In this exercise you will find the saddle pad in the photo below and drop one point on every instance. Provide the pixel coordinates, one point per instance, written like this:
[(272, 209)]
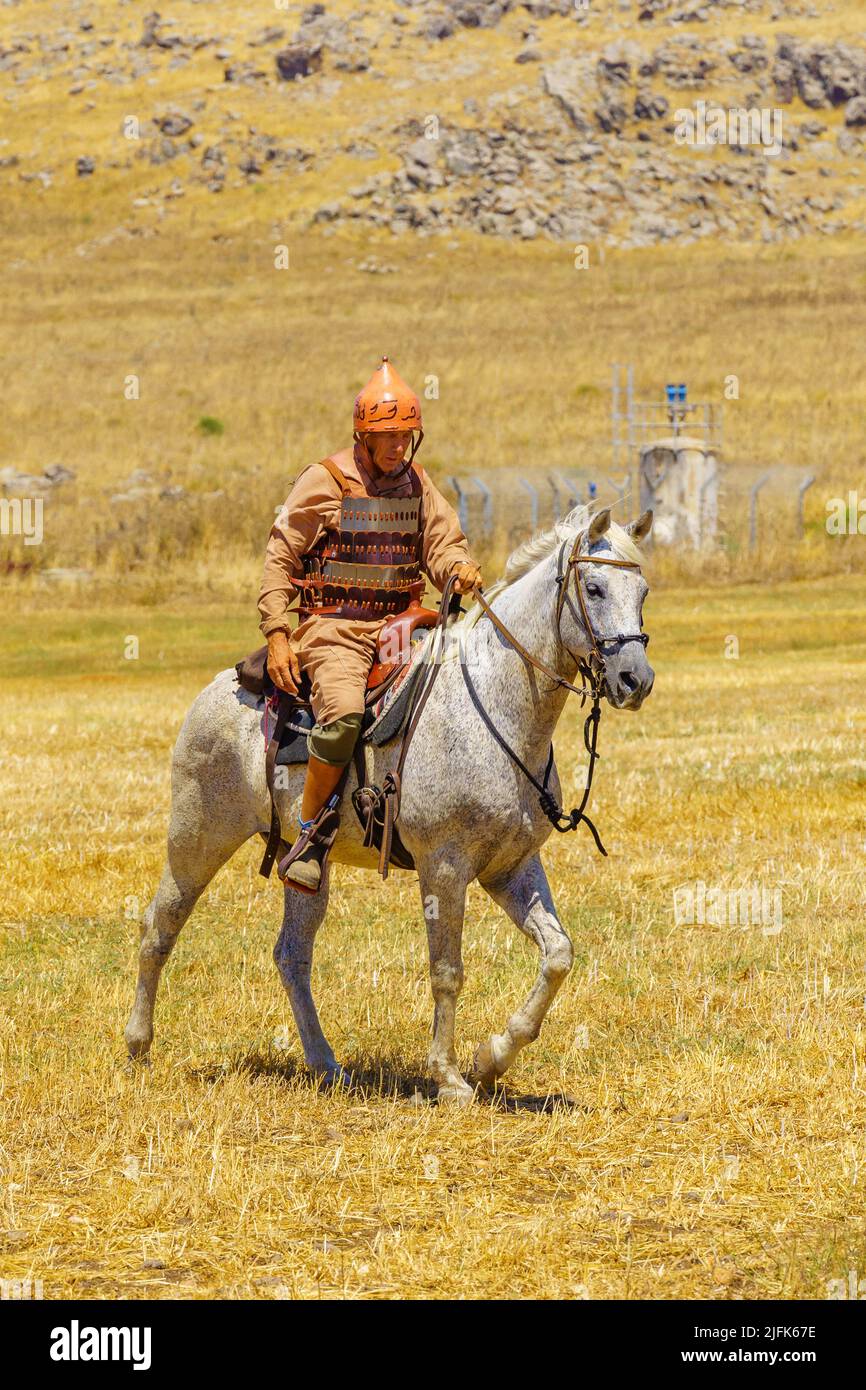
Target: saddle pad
[(388, 716), (293, 748)]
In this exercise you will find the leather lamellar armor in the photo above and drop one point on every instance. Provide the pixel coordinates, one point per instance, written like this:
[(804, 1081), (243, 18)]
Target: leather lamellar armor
[(371, 567)]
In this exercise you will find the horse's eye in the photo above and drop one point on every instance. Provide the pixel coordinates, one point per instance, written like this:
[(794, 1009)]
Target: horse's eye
[(593, 590)]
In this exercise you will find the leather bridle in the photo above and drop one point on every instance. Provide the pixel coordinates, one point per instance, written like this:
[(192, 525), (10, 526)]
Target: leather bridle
[(592, 673), (593, 669)]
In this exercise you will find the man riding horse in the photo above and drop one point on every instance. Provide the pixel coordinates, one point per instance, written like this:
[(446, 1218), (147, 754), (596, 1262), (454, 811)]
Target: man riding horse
[(353, 562)]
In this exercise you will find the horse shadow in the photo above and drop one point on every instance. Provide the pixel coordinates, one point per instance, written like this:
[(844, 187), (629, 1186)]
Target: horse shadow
[(379, 1076)]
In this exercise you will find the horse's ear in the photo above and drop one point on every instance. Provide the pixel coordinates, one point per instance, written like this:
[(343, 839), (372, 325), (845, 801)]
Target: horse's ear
[(640, 529), (598, 526)]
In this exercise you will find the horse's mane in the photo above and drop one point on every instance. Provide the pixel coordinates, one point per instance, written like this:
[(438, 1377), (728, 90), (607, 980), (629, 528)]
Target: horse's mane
[(543, 543)]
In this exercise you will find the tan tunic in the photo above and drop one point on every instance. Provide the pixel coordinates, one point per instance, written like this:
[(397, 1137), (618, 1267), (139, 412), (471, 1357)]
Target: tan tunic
[(337, 653)]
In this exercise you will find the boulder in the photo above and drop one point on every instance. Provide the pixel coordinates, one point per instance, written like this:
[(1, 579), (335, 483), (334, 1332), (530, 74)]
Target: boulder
[(298, 60), (855, 112), (650, 106), (566, 81), (174, 123)]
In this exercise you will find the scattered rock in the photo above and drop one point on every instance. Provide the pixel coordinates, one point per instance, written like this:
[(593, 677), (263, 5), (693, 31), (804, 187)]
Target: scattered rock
[(15, 480), (650, 106), (855, 112), (272, 34), (299, 60), (174, 123), (436, 28), (565, 81)]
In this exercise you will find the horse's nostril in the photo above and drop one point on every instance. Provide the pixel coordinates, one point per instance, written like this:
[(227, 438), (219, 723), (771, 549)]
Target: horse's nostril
[(629, 681)]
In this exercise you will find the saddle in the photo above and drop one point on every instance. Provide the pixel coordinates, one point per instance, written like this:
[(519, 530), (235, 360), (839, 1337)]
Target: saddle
[(397, 689), (395, 637)]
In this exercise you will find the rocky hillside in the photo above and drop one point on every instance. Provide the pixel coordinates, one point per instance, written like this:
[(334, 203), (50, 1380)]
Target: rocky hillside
[(514, 118)]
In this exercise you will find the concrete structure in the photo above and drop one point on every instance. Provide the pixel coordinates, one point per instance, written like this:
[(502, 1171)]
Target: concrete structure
[(678, 476)]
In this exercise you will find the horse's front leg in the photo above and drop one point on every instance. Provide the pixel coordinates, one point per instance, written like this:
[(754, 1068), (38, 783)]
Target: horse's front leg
[(443, 882), (303, 914), (527, 899)]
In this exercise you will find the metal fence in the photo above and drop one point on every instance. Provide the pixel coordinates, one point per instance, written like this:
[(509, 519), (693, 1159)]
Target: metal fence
[(503, 507)]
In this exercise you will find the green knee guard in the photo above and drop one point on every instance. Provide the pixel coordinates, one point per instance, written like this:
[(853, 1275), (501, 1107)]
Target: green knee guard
[(334, 743)]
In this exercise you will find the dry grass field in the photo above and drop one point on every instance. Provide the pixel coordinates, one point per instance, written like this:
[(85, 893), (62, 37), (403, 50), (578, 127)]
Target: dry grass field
[(276, 357), (142, 332), (690, 1123)]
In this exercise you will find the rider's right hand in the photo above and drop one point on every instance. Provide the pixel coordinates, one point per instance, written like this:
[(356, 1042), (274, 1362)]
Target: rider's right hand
[(283, 667)]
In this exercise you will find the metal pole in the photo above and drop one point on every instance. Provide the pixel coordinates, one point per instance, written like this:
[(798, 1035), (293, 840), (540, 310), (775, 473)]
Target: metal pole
[(753, 510), (801, 493), (533, 503), (614, 412), (618, 489), (487, 514), (573, 493), (629, 392), (462, 508), (555, 487)]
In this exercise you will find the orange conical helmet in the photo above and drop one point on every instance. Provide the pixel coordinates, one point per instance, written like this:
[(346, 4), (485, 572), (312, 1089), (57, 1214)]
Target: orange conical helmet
[(386, 403)]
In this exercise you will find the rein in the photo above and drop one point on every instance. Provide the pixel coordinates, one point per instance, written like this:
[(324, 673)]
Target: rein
[(592, 674), (382, 805)]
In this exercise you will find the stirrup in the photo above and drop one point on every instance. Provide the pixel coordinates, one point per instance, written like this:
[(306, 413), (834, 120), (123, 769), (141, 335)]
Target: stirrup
[(319, 834)]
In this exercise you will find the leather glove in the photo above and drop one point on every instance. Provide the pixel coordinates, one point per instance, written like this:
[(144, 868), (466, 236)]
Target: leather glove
[(283, 667), (468, 577)]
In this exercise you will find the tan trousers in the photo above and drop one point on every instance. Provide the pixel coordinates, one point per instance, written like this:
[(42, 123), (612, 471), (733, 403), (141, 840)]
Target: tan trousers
[(336, 654)]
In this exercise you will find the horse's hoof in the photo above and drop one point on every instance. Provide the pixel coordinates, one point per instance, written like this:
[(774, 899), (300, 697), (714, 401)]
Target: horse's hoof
[(456, 1093), (136, 1061), (484, 1073), (137, 1047), (337, 1079)]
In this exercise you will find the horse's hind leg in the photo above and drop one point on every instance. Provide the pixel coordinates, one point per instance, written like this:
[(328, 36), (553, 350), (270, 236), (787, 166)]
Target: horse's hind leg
[(527, 899), (200, 840), (293, 955)]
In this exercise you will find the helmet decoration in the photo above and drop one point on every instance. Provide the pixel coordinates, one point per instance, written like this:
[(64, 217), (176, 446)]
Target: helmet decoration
[(386, 403)]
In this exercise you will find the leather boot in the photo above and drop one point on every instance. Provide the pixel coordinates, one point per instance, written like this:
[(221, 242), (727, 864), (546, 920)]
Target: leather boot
[(306, 870)]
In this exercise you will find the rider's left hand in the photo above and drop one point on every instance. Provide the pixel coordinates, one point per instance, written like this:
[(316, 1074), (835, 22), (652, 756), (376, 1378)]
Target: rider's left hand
[(467, 576)]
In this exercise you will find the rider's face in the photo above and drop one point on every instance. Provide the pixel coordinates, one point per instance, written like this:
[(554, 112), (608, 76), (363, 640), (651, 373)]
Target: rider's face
[(388, 449)]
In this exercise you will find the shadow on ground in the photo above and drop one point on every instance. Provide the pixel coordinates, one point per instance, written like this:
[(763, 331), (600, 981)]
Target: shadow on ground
[(384, 1077)]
